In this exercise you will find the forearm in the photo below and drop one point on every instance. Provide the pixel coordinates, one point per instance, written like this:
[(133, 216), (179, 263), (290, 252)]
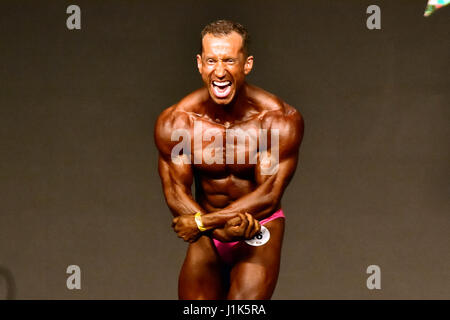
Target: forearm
[(181, 203), (219, 218), (176, 183), (219, 234), (259, 203)]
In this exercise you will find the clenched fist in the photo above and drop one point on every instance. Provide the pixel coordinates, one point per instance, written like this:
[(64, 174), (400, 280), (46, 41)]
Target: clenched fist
[(241, 227), (186, 228)]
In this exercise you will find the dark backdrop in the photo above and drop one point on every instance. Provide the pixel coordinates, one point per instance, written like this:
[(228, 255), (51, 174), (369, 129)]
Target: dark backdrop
[(78, 168)]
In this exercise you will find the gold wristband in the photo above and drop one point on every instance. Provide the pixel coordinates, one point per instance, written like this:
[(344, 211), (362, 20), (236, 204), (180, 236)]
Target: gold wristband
[(198, 221)]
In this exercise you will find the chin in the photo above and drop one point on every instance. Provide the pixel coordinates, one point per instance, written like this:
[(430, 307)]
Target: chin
[(222, 101)]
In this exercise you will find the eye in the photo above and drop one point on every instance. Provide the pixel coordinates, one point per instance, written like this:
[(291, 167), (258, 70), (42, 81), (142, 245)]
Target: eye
[(231, 61), (210, 61)]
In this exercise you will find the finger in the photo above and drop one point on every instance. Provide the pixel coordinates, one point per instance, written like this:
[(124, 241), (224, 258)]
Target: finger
[(175, 221), (176, 227), (259, 227), (256, 229), (244, 223), (239, 229), (234, 221), (251, 223)]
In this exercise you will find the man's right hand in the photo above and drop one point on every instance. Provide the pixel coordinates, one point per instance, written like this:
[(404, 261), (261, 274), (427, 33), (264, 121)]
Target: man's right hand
[(241, 227)]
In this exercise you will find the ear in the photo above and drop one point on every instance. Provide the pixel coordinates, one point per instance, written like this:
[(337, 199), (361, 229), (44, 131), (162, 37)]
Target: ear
[(248, 65), (199, 63)]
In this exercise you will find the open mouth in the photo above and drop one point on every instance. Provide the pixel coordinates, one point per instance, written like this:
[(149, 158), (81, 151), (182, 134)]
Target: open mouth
[(221, 89)]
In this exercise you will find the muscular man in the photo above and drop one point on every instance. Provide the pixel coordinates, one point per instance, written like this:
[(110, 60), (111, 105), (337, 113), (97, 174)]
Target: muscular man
[(234, 199)]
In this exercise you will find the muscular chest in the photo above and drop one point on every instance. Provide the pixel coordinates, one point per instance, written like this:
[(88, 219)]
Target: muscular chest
[(225, 149), (220, 150)]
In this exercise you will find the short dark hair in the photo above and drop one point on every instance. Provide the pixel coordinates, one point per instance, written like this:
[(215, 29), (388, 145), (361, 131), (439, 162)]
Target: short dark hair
[(223, 28)]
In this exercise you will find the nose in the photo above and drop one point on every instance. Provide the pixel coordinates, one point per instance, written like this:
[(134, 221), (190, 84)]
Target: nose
[(220, 70)]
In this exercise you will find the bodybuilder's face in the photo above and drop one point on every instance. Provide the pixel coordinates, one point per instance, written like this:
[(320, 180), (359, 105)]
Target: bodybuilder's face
[(223, 66)]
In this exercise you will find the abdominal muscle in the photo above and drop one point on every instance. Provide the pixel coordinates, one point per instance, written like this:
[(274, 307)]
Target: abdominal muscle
[(215, 194)]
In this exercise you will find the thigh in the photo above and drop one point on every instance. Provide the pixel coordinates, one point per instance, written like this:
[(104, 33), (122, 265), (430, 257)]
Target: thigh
[(201, 274), (255, 274)]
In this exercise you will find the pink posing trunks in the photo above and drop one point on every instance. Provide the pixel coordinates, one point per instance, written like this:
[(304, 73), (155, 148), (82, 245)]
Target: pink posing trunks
[(225, 249)]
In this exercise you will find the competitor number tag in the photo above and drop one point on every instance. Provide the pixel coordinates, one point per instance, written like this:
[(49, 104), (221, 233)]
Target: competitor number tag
[(260, 238)]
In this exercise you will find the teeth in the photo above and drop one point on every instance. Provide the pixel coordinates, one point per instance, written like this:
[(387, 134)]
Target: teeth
[(221, 92), (221, 84)]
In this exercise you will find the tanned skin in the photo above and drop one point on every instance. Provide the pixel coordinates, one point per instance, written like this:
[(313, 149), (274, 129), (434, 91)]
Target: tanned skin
[(231, 197)]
